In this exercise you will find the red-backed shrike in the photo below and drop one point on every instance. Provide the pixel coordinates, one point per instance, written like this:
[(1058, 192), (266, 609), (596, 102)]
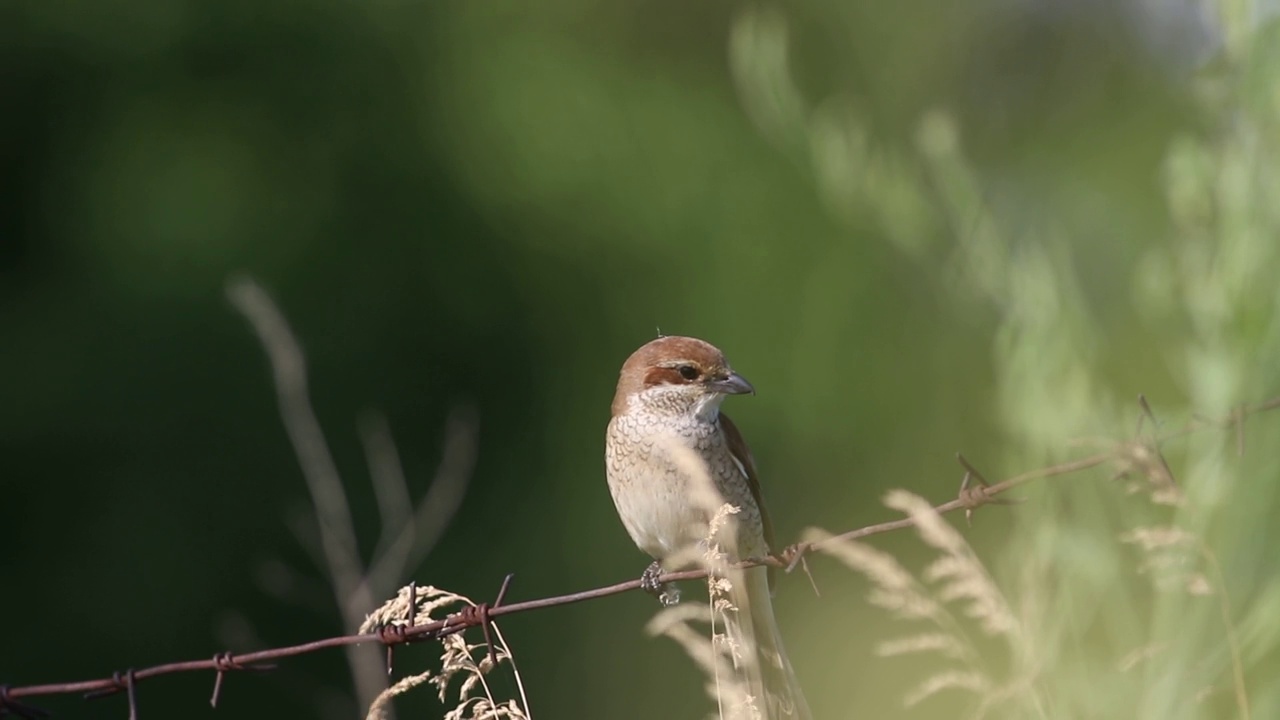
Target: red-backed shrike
[(669, 394)]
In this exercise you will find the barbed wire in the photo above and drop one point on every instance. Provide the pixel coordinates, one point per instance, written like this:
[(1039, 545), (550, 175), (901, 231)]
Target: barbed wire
[(1141, 454)]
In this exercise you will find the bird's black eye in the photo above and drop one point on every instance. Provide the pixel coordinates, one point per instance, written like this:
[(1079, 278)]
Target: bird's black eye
[(688, 372)]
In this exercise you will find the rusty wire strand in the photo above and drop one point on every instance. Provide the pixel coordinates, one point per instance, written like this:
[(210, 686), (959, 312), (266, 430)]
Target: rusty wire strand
[(975, 492), (393, 634)]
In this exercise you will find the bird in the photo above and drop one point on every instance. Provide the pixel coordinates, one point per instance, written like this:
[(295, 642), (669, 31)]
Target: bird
[(665, 410)]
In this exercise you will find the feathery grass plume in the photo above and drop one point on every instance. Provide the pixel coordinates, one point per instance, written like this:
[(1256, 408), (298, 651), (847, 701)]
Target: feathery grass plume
[(701, 490), (1170, 558), (894, 588), (1205, 314), (1095, 299), (726, 687), (974, 682), (474, 698), (853, 175), (751, 675), (380, 709), (722, 654), (958, 570), (725, 656), (956, 577)]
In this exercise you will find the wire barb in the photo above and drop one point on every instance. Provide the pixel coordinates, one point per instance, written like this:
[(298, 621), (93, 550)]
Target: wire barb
[(390, 635), (479, 615), (393, 634), (1147, 414), (225, 662), (973, 496), (1144, 452), (793, 555), (412, 612), (120, 681), (9, 706), (1237, 419)]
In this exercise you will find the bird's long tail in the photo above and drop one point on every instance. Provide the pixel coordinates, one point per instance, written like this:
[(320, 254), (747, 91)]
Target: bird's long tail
[(763, 662)]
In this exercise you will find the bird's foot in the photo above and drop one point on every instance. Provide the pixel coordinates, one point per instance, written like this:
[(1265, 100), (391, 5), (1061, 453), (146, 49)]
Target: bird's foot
[(667, 593)]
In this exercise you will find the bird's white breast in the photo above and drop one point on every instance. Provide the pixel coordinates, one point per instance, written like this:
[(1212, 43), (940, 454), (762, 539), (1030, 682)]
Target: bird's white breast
[(653, 483)]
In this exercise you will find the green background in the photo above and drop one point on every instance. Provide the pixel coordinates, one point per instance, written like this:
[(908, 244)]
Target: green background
[(490, 205)]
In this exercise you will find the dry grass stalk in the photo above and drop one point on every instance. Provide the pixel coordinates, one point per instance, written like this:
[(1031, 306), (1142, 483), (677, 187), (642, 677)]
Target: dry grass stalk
[(955, 577), (474, 698), (727, 657)]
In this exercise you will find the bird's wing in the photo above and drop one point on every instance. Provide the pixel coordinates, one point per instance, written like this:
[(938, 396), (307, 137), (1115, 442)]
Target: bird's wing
[(742, 455)]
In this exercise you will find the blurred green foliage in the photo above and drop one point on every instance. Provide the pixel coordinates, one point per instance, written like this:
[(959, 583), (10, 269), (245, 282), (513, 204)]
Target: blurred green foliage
[(915, 229)]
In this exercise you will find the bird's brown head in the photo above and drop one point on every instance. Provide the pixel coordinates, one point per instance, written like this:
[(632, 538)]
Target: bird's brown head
[(678, 376)]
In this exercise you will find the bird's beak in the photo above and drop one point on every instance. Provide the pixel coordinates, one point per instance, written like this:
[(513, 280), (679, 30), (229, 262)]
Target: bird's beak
[(732, 384)]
